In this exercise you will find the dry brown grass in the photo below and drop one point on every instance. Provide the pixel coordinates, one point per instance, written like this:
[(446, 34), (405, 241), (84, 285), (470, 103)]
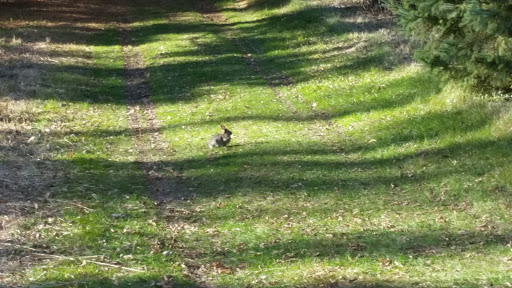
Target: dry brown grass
[(27, 52), (26, 177)]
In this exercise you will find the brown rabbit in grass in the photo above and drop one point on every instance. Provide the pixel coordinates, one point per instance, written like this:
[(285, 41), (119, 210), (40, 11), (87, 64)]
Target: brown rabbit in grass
[(220, 139)]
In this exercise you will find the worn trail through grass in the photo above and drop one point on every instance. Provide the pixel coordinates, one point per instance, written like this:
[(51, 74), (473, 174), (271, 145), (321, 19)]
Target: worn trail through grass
[(210, 12), (145, 126)]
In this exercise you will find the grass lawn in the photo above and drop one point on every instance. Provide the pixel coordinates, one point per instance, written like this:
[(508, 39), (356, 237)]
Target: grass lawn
[(350, 166)]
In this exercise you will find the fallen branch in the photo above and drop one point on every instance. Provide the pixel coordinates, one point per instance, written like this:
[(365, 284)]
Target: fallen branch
[(113, 265), (78, 205), (73, 258), (89, 261), (54, 256), (58, 284), (21, 247)]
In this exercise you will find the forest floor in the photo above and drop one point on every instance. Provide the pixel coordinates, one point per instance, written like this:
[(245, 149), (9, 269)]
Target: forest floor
[(350, 164)]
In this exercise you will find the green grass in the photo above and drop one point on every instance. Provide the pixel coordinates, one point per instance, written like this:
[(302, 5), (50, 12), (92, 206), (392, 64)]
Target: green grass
[(381, 174)]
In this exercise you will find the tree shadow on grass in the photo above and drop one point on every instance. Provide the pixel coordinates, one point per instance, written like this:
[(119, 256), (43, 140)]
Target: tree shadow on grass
[(65, 11), (375, 244), (343, 22), (416, 128), (141, 280), (56, 34), (146, 281), (456, 122), (66, 22), (227, 66), (64, 79), (105, 187), (259, 5), (280, 169), (278, 35), (278, 166)]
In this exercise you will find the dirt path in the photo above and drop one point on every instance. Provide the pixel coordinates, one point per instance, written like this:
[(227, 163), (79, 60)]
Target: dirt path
[(152, 150)]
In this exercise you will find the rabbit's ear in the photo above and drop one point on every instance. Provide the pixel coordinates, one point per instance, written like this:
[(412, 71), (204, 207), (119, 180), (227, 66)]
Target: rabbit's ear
[(223, 127)]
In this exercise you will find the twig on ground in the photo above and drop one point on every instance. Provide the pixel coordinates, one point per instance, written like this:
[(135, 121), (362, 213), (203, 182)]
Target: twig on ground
[(21, 246), (116, 266), (76, 204), (54, 256), (57, 284), (40, 275), (88, 261)]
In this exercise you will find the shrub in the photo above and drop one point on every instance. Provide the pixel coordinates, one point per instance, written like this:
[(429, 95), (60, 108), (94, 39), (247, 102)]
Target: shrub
[(467, 40)]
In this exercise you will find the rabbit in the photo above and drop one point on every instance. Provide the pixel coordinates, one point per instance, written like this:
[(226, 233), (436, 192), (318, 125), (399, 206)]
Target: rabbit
[(220, 139)]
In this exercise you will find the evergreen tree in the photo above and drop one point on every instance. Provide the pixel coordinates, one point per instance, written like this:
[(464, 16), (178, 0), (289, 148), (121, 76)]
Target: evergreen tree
[(465, 39)]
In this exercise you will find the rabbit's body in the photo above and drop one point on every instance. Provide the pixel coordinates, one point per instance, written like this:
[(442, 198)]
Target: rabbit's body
[(220, 140)]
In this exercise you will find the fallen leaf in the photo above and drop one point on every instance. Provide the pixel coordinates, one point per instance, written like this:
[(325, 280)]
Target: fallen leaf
[(386, 262)]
